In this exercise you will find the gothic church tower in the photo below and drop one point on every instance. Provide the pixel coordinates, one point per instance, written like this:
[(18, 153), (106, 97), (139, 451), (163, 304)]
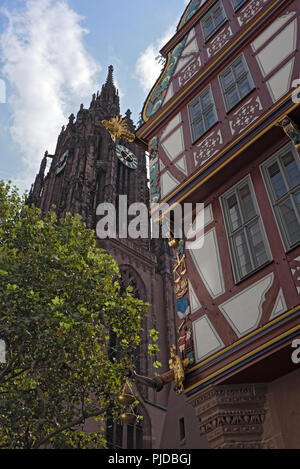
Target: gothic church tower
[(84, 172)]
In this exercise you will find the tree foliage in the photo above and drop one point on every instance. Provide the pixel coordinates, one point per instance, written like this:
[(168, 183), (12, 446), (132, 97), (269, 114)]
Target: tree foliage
[(59, 298)]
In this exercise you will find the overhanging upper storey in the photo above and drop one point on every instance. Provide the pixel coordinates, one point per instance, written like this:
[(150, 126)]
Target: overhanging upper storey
[(216, 29), (225, 84), (172, 52)]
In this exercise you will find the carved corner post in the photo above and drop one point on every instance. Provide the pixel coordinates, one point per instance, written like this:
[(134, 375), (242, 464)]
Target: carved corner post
[(292, 130), (231, 416)]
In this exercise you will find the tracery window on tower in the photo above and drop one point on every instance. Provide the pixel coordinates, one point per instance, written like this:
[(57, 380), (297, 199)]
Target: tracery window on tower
[(129, 277), (130, 436)]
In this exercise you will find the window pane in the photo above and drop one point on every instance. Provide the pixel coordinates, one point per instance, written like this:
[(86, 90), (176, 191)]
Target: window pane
[(181, 429), (139, 437), (297, 200), (218, 16), (239, 69), (198, 129), (130, 433), (234, 213), (244, 86), (290, 221), (210, 119), (228, 79), (119, 436), (208, 27), (245, 230), (236, 83), (202, 113), (232, 98), (277, 180), (258, 245), (291, 169), (242, 254), (247, 203), (206, 100), (110, 433), (195, 110)]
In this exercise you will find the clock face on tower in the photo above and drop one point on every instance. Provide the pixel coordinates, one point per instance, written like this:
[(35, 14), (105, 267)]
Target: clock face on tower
[(126, 157), (61, 163)]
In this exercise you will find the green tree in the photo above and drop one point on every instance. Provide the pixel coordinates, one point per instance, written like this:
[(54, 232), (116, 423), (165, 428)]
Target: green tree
[(59, 297)]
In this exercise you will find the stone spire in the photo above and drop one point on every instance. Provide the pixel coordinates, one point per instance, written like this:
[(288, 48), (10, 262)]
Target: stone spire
[(129, 121), (109, 96), (110, 76)]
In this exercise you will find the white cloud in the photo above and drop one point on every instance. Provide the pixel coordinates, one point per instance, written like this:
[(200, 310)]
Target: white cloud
[(2, 91), (148, 69), (49, 72)]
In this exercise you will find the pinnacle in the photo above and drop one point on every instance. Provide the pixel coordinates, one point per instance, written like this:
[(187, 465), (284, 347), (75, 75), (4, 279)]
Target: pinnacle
[(109, 96), (109, 84), (129, 121), (110, 77)]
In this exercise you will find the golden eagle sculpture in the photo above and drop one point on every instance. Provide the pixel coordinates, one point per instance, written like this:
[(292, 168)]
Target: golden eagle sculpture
[(117, 127)]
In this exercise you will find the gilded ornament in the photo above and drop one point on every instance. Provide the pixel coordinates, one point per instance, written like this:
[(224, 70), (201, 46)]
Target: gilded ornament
[(178, 366), (180, 268), (128, 418), (117, 128), (181, 289), (173, 243), (291, 130), (127, 397)]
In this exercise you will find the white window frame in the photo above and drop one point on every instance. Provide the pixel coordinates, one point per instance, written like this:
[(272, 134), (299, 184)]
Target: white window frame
[(230, 234), (203, 114), (288, 246), (224, 72), (210, 13)]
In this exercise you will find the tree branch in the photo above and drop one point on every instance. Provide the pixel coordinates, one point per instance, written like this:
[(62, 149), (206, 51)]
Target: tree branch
[(15, 375), (9, 366), (76, 422)]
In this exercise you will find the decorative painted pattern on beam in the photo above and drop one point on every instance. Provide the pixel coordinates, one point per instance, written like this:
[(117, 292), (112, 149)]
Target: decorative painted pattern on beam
[(158, 94), (154, 171), (191, 9)]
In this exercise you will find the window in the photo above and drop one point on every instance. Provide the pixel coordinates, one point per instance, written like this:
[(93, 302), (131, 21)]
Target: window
[(124, 436), (213, 20), (202, 113), (237, 4), (181, 429), (282, 176), (236, 83), (247, 240)]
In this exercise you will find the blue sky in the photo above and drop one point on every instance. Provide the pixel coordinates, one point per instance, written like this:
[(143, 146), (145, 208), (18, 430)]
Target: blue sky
[(54, 55)]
